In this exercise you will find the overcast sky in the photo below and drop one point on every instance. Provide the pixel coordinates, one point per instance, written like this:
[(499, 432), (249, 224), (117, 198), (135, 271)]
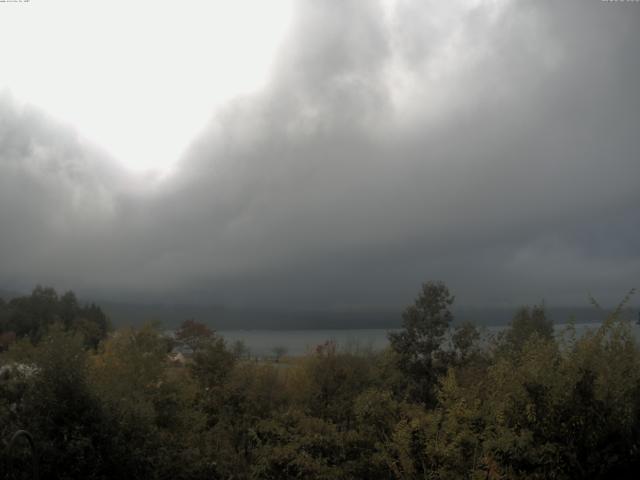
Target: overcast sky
[(321, 153)]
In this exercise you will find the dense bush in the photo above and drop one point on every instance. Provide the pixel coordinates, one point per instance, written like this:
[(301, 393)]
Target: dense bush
[(441, 402)]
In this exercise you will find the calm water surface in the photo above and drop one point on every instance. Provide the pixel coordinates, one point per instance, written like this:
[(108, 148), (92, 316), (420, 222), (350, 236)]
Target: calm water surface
[(298, 342)]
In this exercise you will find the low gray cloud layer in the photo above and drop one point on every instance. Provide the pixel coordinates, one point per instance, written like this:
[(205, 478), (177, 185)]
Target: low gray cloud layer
[(496, 148)]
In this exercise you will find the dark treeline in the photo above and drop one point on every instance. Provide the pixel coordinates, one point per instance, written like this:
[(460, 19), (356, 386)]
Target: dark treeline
[(286, 318), (31, 317), (442, 402), (235, 318)]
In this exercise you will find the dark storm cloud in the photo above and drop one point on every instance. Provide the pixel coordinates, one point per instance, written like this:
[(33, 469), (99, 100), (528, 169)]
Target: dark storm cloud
[(55, 194), (496, 148)]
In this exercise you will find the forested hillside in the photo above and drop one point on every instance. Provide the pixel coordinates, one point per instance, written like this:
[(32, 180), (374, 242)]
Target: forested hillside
[(441, 402)]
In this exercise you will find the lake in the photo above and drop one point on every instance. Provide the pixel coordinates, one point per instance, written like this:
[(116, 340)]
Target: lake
[(298, 342)]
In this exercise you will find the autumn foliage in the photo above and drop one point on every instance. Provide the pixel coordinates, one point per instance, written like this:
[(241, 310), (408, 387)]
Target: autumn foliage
[(443, 401)]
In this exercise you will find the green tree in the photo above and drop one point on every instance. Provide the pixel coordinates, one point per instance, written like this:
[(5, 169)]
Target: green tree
[(212, 362), (464, 342), (59, 408), (528, 321), (419, 344), (150, 407), (328, 381), (30, 316)]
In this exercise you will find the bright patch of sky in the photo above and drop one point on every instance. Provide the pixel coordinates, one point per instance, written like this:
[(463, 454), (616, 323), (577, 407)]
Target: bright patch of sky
[(140, 79)]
